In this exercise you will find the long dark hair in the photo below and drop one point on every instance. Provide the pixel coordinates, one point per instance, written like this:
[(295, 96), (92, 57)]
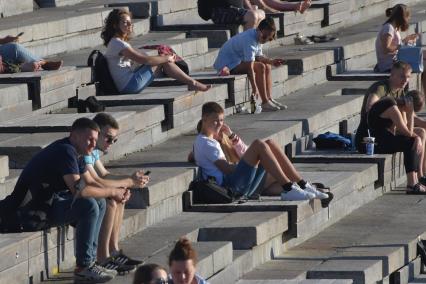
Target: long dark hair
[(111, 25), (398, 15)]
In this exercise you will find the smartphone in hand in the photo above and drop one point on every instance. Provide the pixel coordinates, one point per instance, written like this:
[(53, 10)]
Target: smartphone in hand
[(147, 173), (20, 34)]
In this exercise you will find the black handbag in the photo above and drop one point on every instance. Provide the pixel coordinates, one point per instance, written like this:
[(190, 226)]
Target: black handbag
[(209, 192)]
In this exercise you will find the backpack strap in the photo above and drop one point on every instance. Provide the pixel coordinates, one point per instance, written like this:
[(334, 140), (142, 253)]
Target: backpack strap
[(90, 59)]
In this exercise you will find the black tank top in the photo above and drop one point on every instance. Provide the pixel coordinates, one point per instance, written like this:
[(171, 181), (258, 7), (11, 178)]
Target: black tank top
[(377, 124)]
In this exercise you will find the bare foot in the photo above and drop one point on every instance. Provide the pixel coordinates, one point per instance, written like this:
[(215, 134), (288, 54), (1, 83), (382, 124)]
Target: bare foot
[(198, 86), (304, 5), (225, 71), (31, 66)]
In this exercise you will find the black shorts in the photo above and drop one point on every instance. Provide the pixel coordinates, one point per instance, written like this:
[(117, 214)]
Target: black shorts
[(226, 16)]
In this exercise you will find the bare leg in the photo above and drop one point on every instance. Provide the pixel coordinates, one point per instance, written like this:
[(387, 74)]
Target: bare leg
[(253, 18), (268, 80), (115, 235), (260, 152), (259, 74), (285, 164), (106, 230), (271, 187), (412, 178), (175, 72), (262, 5), (422, 167)]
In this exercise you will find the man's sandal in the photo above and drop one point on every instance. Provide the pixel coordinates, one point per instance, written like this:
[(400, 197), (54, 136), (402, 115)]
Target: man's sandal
[(417, 189)]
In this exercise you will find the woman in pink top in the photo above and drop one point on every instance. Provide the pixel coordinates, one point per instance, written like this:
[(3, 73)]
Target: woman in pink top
[(389, 39)]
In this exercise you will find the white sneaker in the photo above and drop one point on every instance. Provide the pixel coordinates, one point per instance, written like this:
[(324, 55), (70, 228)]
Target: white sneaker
[(268, 106), (278, 104), (312, 189), (92, 274), (296, 193)]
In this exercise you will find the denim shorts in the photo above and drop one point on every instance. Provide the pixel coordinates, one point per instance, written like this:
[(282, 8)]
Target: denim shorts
[(142, 77), (245, 180)]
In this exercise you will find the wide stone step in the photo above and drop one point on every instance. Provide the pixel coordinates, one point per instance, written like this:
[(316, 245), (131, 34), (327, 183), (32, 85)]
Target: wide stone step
[(182, 106), (358, 247), (59, 122), (45, 88), (12, 94), (14, 111), (305, 281), (4, 167)]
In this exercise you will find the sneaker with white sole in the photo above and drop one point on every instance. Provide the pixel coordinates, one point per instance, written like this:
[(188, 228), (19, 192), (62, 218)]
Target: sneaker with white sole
[(92, 274), (312, 189), (278, 104), (296, 193)]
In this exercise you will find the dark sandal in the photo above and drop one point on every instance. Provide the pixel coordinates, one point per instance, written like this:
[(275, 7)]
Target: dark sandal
[(421, 250), (326, 201), (415, 189), (320, 186)]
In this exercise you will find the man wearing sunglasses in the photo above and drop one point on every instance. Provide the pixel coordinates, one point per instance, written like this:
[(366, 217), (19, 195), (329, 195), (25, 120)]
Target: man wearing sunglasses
[(108, 253), (242, 54)]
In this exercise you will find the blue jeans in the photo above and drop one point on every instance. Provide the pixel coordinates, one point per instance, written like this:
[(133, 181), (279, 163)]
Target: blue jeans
[(245, 180), (142, 77), (16, 53), (88, 214)]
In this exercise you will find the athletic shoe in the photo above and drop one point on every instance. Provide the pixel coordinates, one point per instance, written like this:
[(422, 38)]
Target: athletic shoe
[(110, 264), (92, 274), (121, 258), (268, 106), (296, 193), (112, 272), (278, 104), (312, 189)]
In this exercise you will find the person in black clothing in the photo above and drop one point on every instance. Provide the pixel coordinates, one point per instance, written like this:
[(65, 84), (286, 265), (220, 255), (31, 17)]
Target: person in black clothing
[(226, 12), (391, 122)]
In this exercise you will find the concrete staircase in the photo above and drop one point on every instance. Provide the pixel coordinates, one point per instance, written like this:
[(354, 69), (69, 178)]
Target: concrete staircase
[(354, 240)]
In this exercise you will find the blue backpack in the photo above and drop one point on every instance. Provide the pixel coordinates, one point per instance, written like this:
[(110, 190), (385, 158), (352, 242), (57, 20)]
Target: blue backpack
[(331, 140)]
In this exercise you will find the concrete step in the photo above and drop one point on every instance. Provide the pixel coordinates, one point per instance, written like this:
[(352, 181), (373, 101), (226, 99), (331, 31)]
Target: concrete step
[(4, 167), (305, 281), (59, 122), (238, 85), (140, 127), (409, 272), (11, 8), (7, 185), (181, 106), (357, 247), (14, 111), (11, 94), (56, 3), (45, 88)]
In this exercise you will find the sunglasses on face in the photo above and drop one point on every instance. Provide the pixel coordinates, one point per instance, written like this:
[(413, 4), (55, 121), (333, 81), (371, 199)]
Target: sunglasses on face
[(111, 139), (127, 23)]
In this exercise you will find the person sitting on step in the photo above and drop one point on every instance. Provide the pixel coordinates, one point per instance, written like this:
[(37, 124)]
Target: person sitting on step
[(120, 55), (150, 273), (108, 254), (389, 41), (242, 54), (231, 12), (392, 87), (14, 53), (244, 178), (57, 172), (234, 148), (183, 262), (274, 6), (391, 122)]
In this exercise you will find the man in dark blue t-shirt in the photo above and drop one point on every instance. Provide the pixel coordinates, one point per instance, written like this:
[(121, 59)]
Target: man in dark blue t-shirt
[(55, 172)]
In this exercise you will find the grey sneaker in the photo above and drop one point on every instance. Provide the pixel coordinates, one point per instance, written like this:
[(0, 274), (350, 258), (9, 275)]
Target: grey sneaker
[(92, 274)]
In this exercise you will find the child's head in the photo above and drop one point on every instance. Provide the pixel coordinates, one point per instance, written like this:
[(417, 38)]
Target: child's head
[(267, 30), (182, 262), (150, 274), (212, 115)]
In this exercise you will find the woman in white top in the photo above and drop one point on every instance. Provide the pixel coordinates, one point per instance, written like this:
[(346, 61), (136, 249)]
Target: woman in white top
[(120, 56)]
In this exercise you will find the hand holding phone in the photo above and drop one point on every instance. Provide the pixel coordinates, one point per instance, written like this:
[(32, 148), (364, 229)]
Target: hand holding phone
[(20, 34)]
